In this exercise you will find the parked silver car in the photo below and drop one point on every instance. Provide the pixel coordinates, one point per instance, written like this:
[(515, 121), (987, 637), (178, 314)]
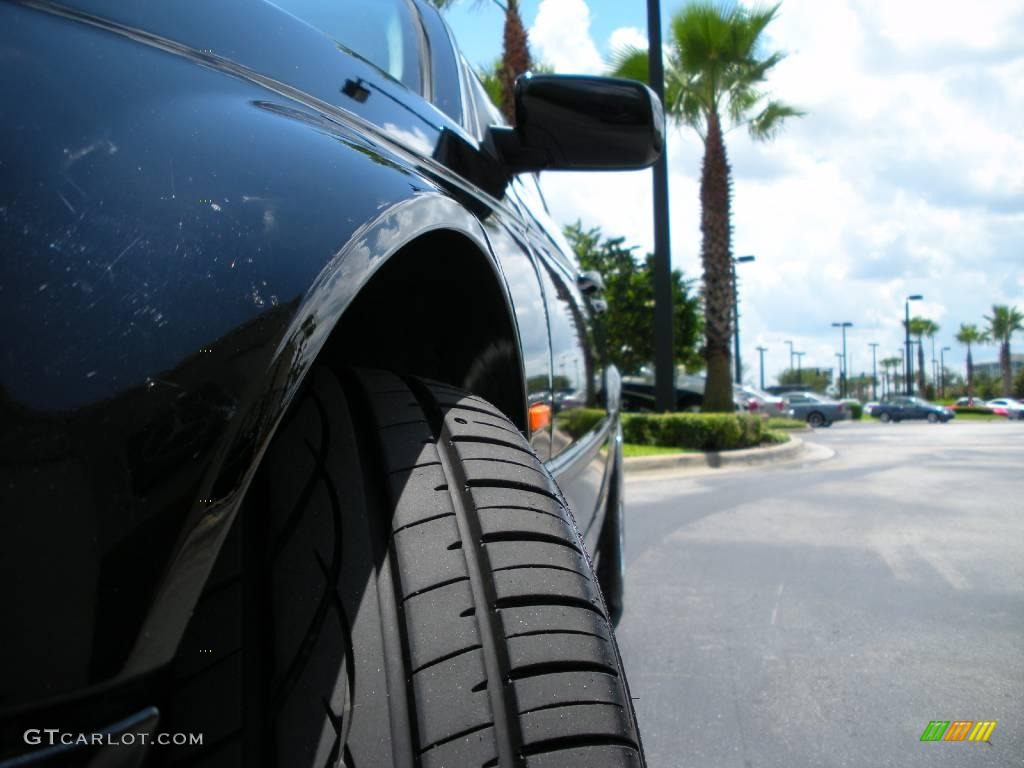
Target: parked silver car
[(817, 410)]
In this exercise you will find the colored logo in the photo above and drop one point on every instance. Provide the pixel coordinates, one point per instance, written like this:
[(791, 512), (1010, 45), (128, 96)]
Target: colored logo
[(958, 730)]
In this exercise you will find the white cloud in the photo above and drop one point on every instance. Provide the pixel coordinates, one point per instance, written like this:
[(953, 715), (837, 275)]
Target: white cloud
[(560, 36), (904, 177), (627, 37)]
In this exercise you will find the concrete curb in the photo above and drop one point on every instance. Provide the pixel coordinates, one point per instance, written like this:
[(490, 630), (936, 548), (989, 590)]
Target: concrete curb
[(748, 457)]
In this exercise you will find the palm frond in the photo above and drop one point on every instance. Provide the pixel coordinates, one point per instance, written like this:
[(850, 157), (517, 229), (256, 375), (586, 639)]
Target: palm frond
[(768, 122)]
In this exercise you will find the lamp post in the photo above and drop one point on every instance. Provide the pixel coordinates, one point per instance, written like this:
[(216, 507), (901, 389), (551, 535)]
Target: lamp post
[(664, 359), (799, 367), (942, 371), (736, 315), (761, 351), (909, 359), (842, 370), (842, 373), (874, 370), (790, 354)]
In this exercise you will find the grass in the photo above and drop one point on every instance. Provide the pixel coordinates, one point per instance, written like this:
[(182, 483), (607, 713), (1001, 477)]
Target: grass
[(774, 437), (779, 423), (632, 449), (979, 417)]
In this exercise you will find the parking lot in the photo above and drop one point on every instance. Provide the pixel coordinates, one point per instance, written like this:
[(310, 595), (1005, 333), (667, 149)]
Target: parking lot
[(822, 612)]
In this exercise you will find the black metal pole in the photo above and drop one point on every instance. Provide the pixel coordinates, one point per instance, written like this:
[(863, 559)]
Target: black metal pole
[(910, 355), (664, 358), (846, 381), (761, 351), (736, 326)]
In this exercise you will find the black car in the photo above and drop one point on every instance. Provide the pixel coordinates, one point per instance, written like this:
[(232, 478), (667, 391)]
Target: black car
[(286, 335), (902, 408)]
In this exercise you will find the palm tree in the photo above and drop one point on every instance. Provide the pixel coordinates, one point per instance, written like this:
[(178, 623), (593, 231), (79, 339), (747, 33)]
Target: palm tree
[(921, 327), (515, 56), (968, 335), (889, 363), (715, 73), (1002, 324)]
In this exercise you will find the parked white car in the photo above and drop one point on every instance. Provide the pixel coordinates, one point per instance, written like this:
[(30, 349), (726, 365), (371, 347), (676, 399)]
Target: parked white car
[(1014, 408)]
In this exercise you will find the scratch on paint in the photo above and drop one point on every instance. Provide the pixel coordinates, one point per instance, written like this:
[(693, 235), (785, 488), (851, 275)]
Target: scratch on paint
[(122, 253), (65, 201)]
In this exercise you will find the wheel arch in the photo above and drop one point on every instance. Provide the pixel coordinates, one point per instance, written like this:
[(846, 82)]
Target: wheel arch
[(427, 231)]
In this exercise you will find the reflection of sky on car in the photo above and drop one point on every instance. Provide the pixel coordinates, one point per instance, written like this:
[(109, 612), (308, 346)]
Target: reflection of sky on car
[(528, 302)]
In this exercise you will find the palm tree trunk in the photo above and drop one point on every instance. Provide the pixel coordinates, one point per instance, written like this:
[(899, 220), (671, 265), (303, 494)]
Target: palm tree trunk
[(970, 374), (515, 58), (1004, 363), (716, 254), (920, 367)]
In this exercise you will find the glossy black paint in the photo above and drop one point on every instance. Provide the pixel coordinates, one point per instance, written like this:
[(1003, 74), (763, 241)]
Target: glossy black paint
[(192, 198), (583, 123)]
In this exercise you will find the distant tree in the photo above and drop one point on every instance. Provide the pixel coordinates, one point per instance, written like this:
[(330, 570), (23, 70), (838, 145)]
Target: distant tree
[(1002, 324), (921, 327), (1018, 385), (628, 325), (985, 386), (891, 367), (715, 79), (968, 335), (814, 379)]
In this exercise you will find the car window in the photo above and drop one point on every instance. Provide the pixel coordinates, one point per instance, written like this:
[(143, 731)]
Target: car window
[(482, 109), (382, 32)]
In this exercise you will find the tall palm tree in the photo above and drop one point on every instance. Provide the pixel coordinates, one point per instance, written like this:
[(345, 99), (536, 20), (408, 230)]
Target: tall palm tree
[(968, 335), (515, 54), (714, 81), (1002, 324), (921, 327)]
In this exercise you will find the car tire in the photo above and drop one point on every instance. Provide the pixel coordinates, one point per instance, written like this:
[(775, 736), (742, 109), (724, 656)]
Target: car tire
[(885, 418), (933, 418), (411, 590), (815, 419)]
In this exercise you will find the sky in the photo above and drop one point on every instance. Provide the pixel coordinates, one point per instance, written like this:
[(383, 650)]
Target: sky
[(906, 176)]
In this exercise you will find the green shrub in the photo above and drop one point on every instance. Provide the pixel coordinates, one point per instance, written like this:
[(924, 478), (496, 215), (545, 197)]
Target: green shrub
[(780, 423), (774, 437), (702, 431), (856, 411), (578, 421)]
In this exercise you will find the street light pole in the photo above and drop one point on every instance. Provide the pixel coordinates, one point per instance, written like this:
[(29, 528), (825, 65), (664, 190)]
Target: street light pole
[(664, 359), (842, 381), (909, 358), (942, 371), (874, 370), (761, 351), (790, 354), (799, 367), (736, 316)]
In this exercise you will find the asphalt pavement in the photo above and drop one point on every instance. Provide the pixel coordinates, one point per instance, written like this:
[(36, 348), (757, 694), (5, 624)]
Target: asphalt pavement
[(823, 612)]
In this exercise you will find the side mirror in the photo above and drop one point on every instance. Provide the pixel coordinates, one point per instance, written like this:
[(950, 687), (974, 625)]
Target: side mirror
[(581, 123)]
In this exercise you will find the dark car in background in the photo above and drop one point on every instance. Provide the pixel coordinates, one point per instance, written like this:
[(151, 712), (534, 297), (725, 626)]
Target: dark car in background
[(287, 332), (817, 410), (906, 408)]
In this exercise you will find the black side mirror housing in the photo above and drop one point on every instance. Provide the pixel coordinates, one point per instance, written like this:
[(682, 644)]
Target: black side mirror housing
[(581, 123)]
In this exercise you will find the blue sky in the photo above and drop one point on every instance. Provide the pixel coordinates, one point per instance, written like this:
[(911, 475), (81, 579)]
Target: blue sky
[(905, 177), (478, 23)]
